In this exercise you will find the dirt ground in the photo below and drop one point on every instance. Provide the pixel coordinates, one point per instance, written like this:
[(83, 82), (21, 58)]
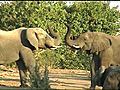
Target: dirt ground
[(59, 79)]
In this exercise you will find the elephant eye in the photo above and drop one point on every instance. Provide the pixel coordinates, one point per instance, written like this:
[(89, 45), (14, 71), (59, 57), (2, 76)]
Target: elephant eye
[(85, 38)]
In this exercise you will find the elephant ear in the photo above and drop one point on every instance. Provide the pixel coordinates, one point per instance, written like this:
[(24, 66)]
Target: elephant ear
[(101, 42), (32, 37)]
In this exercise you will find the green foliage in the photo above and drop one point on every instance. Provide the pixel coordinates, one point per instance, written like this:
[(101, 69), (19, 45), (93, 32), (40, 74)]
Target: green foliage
[(84, 16), (93, 16), (40, 79)]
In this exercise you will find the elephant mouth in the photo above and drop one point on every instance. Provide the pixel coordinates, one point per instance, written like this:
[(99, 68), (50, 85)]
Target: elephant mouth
[(48, 46), (41, 47), (45, 46)]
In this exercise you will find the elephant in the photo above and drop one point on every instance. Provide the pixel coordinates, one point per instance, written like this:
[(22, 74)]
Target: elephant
[(104, 48), (19, 44), (111, 78)]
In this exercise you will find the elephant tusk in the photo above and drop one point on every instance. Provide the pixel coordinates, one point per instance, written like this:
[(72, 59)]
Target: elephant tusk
[(55, 47), (58, 46), (76, 46), (102, 69)]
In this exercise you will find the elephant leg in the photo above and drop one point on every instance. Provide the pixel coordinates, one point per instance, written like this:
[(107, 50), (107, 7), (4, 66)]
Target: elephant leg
[(92, 71), (33, 73), (95, 64), (100, 73), (30, 63), (22, 72)]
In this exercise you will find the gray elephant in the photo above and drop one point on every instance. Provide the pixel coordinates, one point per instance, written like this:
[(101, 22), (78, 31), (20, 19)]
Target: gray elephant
[(105, 50), (18, 46), (111, 78)]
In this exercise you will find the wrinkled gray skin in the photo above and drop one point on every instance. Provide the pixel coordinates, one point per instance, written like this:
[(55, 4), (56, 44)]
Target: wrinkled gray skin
[(18, 46), (111, 78), (103, 47)]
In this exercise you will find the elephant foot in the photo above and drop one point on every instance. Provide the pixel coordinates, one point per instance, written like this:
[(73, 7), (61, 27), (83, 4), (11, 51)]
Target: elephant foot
[(92, 88), (24, 85)]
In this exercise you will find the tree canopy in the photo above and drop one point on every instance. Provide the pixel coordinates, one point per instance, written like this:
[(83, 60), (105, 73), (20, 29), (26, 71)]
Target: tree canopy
[(84, 16)]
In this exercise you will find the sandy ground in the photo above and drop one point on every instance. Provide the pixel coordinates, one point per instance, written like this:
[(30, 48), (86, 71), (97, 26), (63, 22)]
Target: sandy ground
[(59, 79)]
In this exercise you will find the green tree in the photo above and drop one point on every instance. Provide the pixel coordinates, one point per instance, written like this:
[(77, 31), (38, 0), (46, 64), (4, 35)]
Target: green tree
[(84, 16), (93, 16)]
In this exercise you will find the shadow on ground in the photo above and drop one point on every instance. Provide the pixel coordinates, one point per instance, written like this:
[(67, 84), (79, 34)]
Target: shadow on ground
[(67, 80), (59, 79)]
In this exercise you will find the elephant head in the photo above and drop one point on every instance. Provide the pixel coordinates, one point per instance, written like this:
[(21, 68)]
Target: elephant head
[(111, 78), (89, 41), (39, 38)]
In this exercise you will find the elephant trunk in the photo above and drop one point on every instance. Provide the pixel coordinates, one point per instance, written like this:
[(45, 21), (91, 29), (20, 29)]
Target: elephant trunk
[(55, 36), (68, 40)]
